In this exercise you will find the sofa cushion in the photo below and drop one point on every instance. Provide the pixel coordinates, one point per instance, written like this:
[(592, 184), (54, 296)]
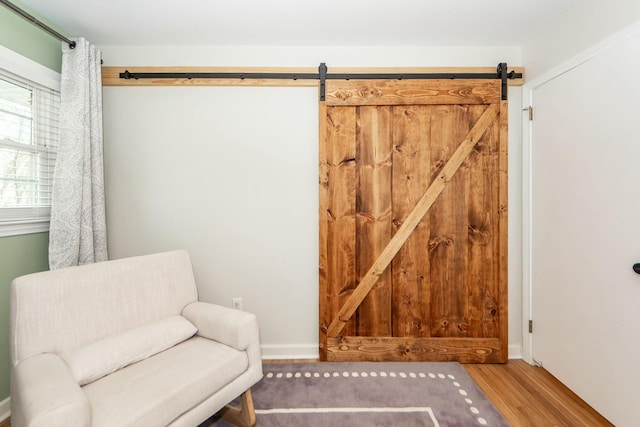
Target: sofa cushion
[(103, 357), (157, 390)]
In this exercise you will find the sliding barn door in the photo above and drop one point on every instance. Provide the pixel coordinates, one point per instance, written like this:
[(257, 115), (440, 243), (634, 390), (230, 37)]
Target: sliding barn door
[(413, 221)]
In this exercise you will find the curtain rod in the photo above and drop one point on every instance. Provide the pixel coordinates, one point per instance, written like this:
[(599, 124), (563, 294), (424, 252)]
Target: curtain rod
[(32, 19)]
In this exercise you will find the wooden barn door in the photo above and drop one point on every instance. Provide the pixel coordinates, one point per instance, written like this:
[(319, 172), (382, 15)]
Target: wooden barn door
[(413, 221)]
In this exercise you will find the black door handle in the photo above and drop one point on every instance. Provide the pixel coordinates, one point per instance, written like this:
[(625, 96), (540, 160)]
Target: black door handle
[(636, 267)]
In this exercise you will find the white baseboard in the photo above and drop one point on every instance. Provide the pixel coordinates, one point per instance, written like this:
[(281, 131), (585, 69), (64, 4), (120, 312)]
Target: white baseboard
[(310, 351), (290, 351), (5, 409), (515, 352)]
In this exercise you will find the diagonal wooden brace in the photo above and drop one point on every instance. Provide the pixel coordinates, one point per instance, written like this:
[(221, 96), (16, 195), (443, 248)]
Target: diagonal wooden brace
[(412, 221)]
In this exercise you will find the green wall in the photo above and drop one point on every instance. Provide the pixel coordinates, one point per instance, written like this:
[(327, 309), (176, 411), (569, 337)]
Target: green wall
[(19, 255), (28, 40), (24, 254)]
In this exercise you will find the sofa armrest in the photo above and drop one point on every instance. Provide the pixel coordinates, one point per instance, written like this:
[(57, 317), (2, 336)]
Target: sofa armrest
[(44, 393), (235, 328)]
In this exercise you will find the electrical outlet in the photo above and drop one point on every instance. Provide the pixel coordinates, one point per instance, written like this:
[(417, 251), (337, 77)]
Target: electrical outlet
[(236, 303)]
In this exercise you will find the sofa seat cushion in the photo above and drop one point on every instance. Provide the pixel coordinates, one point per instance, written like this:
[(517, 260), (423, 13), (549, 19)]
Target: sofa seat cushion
[(157, 390)]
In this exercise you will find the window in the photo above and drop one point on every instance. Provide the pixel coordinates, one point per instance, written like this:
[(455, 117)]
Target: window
[(29, 135)]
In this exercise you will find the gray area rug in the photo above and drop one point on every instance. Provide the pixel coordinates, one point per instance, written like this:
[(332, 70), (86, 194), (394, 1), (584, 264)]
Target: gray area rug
[(369, 394)]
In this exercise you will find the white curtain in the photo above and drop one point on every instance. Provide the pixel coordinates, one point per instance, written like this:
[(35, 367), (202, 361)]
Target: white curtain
[(78, 227)]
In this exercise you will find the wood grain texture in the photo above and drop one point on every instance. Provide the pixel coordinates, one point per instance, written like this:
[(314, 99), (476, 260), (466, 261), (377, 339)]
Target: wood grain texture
[(412, 92), (503, 227), (340, 213), (448, 241), (111, 75), (426, 201), (407, 349), (410, 269), (482, 234), (323, 224), (407, 70), (529, 396), (430, 224), (373, 214)]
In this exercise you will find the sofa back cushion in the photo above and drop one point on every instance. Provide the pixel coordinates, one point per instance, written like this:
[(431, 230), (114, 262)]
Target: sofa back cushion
[(98, 359), (63, 310)]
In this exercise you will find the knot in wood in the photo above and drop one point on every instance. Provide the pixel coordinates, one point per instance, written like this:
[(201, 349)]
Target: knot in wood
[(367, 216), (479, 234), (370, 92), (463, 327), (342, 95), (445, 240)]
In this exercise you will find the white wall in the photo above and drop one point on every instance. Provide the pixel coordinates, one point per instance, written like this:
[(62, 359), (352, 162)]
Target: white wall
[(231, 175), (580, 28), (311, 56)]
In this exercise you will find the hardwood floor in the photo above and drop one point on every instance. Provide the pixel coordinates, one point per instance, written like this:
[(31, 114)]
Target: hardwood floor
[(527, 396)]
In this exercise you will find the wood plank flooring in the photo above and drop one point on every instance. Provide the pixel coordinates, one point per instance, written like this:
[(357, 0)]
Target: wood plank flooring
[(527, 396)]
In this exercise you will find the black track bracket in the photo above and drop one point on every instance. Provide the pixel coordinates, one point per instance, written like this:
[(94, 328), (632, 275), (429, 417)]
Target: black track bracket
[(322, 72), (503, 75)]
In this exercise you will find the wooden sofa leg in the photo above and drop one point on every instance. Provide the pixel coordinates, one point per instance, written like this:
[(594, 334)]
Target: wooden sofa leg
[(245, 415)]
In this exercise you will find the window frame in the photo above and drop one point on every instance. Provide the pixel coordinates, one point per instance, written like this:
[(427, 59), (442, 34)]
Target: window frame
[(27, 69)]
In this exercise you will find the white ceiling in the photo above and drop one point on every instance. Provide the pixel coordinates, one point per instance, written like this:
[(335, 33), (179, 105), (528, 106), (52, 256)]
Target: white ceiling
[(302, 22)]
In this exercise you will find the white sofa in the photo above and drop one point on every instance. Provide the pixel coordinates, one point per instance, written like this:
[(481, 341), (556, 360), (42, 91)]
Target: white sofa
[(127, 343)]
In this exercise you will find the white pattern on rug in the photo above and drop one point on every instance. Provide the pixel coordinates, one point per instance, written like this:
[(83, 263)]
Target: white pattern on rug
[(426, 410)]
